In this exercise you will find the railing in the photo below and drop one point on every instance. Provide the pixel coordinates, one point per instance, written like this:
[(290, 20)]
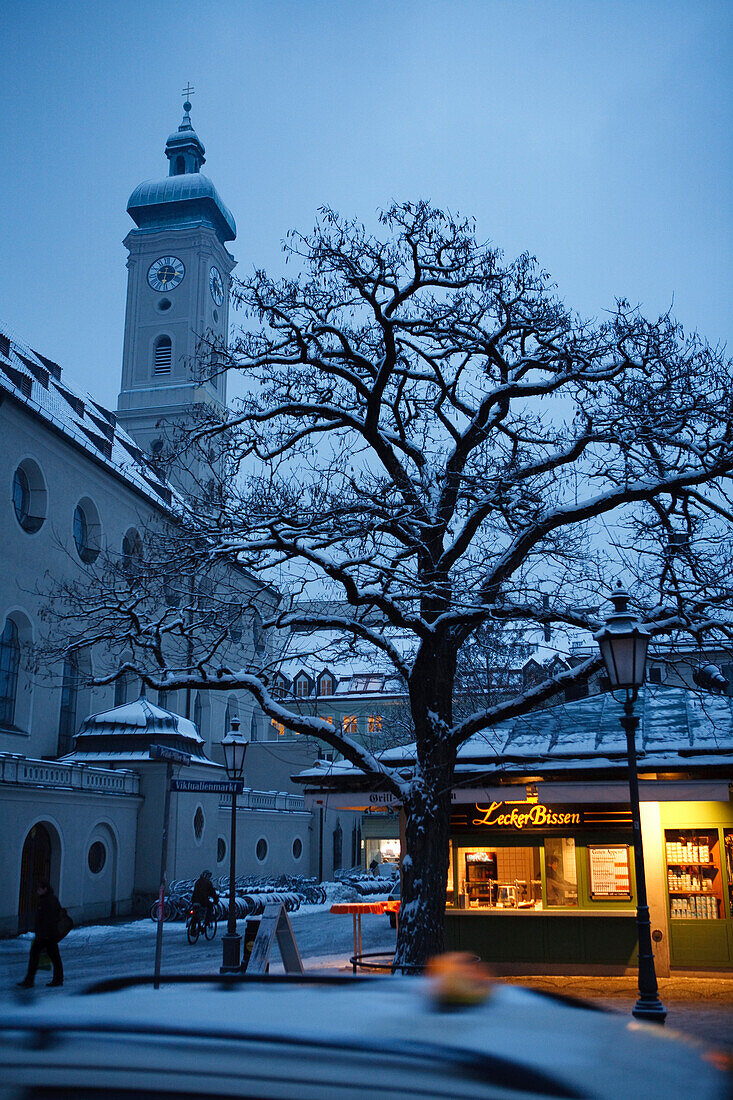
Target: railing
[(26, 771), (266, 800)]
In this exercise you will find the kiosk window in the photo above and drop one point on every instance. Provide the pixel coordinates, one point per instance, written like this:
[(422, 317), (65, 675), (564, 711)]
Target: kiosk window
[(561, 876), (498, 877)]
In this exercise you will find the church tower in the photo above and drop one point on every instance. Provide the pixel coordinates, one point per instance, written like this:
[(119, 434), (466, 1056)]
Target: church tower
[(177, 296)]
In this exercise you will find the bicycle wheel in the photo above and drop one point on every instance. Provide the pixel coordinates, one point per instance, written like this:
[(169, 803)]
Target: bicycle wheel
[(192, 928), (156, 909), (210, 928)]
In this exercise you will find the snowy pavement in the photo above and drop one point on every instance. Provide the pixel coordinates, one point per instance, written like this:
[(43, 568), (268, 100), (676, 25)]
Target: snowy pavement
[(702, 1007), (96, 952)]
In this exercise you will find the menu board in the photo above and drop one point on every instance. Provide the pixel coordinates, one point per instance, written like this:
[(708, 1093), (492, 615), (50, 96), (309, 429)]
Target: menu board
[(609, 872)]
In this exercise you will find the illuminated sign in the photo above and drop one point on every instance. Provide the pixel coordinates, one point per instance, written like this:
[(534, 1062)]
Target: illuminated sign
[(524, 815)]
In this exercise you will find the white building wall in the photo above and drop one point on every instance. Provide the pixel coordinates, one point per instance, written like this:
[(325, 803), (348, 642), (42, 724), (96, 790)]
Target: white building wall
[(75, 821)]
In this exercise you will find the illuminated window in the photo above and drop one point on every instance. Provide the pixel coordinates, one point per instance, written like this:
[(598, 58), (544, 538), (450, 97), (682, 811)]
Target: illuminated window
[(278, 727), (350, 723), (375, 723), (302, 688)]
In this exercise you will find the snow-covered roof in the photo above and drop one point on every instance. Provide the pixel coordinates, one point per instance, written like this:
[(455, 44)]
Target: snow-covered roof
[(360, 669), (678, 730), (36, 382), (129, 730), (316, 651)]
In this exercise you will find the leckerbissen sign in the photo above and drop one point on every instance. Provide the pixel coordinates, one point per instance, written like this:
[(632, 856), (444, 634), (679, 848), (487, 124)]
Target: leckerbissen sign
[(525, 816)]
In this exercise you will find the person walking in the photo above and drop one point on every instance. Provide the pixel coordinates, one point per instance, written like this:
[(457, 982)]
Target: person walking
[(46, 936)]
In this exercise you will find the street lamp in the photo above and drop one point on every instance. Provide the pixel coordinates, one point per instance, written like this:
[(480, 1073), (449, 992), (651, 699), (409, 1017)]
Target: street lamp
[(623, 642), (234, 748)]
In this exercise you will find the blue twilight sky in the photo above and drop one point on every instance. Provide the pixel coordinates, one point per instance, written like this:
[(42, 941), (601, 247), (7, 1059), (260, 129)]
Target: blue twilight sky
[(593, 133)]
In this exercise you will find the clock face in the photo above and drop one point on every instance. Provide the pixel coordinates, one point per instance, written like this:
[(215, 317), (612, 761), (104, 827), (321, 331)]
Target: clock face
[(216, 285), (166, 273)]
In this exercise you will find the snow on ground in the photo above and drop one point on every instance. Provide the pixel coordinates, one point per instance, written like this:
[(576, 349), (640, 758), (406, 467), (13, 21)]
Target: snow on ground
[(94, 953)]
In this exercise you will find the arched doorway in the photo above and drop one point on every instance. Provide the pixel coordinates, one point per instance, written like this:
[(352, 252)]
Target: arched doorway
[(35, 864)]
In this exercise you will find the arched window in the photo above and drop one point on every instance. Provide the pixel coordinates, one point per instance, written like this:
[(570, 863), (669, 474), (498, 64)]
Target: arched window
[(259, 639), (180, 167), (338, 846), (234, 617), (162, 355), (87, 530), (121, 689), (198, 711), (9, 665), (232, 711), (132, 552), (69, 702), (253, 728)]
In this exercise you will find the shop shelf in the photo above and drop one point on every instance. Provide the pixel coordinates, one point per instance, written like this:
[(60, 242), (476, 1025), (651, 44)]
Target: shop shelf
[(688, 863)]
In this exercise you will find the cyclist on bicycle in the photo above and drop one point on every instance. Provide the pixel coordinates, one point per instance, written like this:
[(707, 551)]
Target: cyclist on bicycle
[(205, 895)]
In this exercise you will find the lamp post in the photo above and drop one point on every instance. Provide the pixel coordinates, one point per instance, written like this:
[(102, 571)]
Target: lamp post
[(623, 642), (234, 748)]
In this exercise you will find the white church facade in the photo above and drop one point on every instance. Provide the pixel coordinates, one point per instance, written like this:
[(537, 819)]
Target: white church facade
[(80, 800)]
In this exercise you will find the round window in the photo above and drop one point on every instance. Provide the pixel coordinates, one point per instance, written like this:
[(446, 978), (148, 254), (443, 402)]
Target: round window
[(261, 849), (164, 304), (297, 848), (97, 857), (198, 823), (221, 850), (29, 496)]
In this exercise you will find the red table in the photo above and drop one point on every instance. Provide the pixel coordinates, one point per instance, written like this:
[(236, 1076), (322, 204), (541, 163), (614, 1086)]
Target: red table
[(393, 906), (357, 910)]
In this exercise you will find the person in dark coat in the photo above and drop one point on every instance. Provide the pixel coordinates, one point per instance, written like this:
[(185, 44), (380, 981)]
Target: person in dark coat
[(46, 936), (204, 894)]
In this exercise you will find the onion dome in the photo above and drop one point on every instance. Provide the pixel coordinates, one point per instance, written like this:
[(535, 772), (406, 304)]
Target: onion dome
[(186, 197), (129, 731)]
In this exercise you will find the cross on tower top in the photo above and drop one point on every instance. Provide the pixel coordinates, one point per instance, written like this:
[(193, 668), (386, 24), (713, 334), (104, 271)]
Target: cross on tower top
[(188, 90)]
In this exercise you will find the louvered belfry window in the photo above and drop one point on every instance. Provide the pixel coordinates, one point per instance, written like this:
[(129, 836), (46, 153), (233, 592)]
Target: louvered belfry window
[(163, 356)]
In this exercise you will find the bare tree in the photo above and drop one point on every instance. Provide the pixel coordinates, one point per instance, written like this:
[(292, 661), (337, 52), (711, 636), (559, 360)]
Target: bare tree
[(429, 436)]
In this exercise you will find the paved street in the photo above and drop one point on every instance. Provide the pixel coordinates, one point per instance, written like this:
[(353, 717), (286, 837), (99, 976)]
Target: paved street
[(699, 1007)]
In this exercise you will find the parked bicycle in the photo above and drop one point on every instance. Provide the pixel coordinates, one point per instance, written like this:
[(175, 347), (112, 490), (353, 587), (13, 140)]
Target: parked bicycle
[(200, 922)]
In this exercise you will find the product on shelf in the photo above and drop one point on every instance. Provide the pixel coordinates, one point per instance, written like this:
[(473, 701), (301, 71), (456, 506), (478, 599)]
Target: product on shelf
[(693, 875)]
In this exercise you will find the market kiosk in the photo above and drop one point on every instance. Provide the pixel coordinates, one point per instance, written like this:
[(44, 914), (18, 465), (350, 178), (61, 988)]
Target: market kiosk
[(541, 876), (537, 885)]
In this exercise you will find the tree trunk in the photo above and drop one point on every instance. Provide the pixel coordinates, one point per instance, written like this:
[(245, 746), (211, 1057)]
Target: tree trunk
[(425, 864)]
